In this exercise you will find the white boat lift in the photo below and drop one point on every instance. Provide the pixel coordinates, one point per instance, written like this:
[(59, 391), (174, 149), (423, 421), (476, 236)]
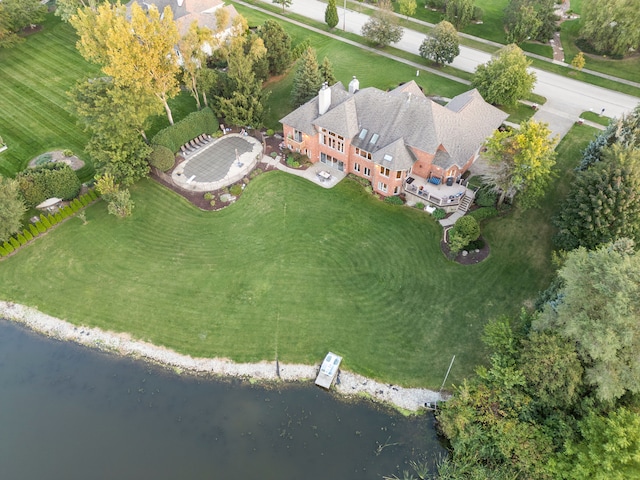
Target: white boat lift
[(328, 370)]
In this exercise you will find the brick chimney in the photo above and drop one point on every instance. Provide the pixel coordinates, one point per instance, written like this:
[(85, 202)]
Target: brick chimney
[(354, 85), (324, 99)]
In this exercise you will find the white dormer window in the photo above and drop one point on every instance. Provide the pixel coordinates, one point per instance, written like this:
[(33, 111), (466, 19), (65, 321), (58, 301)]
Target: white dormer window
[(387, 157), (363, 133), (374, 138)]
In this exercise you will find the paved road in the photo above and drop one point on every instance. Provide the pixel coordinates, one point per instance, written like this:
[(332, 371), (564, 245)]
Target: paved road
[(566, 98)]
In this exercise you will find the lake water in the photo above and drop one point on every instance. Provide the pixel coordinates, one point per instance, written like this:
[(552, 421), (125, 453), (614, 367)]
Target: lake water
[(68, 412)]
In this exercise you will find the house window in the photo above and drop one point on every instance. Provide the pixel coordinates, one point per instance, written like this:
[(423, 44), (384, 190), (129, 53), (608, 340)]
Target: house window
[(399, 174), (367, 172), (382, 187), (384, 171), (332, 140), (387, 157), (363, 133), (356, 167), (396, 190), (374, 138), (297, 135), (363, 153)]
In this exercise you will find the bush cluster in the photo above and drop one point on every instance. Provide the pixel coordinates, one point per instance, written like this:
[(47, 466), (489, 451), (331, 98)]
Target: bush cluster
[(394, 200), (235, 190), (161, 158), (439, 214), (47, 181), (194, 124), (486, 198), (484, 213)]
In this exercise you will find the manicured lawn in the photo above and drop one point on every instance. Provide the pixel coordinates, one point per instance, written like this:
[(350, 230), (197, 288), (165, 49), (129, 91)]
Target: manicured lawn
[(291, 268), (36, 116), (519, 113), (595, 117)]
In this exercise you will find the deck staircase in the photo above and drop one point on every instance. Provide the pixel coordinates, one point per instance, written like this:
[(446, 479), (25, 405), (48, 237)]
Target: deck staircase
[(465, 203)]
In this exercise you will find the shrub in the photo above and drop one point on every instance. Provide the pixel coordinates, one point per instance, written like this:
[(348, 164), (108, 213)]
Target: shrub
[(3, 251), (292, 162), (93, 195), (21, 239), (67, 152), (270, 132), (464, 231), (255, 173), (52, 220), (273, 154), (476, 244), (299, 49), (58, 217), (161, 158), (27, 234), (47, 181), (208, 196), (394, 200), (45, 221), (478, 13), (212, 203), (194, 124), (8, 247), (486, 198), (368, 189), (14, 242), (235, 190), (84, 200), (75, 205), (68, 211), (483, 213), (34, 230), (439, 214), (419, 206)]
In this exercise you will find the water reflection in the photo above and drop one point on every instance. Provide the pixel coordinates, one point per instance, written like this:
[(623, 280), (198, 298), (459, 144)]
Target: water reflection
[(67, 412)]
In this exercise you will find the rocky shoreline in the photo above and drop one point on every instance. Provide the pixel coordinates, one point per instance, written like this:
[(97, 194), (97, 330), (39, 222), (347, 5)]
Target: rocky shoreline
[(410, 399)]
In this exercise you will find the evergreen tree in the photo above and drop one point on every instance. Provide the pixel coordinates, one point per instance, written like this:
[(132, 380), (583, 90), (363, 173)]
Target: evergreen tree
[(13, 208), (331, 14), (307, 81), (278, 44), (326, 72), (603, 203)]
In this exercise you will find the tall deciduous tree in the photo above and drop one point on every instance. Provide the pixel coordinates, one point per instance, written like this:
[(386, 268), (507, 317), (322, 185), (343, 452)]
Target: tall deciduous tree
[(598, 309), (611, 26), (521, 21), (278, 45), (603, 203), (331, 14), (65, 9), (443, 45), (459, 13), (284, 3), (139, 53), (307, 80), (382, 27), (525, 157), (504, 80), (16, 15), (193, 56), (12, 208)]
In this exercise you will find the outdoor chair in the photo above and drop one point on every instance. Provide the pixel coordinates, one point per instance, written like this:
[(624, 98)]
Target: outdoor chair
[(193, 145), (203, 139), (185, 150), (197, 142)]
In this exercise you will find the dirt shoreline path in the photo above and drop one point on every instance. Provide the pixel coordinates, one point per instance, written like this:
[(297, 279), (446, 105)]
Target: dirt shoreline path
[(410, 399)]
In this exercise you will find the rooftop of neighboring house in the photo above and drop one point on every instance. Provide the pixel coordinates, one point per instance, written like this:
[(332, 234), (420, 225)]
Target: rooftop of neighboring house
[(185, 12), (390, 124)]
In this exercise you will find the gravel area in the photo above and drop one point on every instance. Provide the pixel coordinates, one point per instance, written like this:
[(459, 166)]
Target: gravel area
[(348, 383)]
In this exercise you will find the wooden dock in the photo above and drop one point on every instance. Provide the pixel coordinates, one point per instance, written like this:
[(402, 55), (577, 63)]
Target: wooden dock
[(328, 370)]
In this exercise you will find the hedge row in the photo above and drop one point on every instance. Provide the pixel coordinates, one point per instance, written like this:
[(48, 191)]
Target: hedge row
[(45, 222), (194, 124), (48, 181)]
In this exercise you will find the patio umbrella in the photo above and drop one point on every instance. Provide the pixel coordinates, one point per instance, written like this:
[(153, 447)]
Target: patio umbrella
[(49, 202)]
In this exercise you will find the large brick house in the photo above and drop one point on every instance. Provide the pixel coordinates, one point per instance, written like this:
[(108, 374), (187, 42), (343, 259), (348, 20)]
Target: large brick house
[(400, 140)]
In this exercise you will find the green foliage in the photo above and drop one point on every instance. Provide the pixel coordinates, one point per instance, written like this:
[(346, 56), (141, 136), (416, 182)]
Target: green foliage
[(486, 198), (75, 206), (284, 3), (611, 27), (598, 311), (393, 200), (34, 230), (14, 242), (208, 196), (84, 200), (52, 220), (419, 206), (41, 228), (504, 80), (47, 181), (278, 44), (13, 208), (299, 49), (45, 221), (235, 190), (521, 21), (458, 13), (3, 251), (307, 80), (27, 234), (465, 230), (407, 7), (16, 15), (161, 158), (58, 217), (8, 247), (326, 71), (93, 195), (382, 27), (483, 213), (439, 214), (120, 203), (442, 44), (194, 124), (68, 211), (269, 132), (331, 14), (603, 203)]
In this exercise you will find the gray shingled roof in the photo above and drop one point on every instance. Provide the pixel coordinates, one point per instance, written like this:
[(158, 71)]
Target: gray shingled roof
[(403, 118)]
